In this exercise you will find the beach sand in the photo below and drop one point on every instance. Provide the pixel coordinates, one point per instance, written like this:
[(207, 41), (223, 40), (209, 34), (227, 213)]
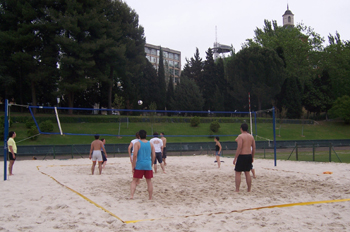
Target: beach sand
[(194, 195)]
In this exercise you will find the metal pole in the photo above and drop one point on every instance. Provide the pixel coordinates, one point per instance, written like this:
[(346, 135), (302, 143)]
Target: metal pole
[(6, 132), (274, 134), (296, 151), (330, 152), (313, 152)]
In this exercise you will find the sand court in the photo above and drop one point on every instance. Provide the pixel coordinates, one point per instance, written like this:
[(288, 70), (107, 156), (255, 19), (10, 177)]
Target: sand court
[(194, 195)]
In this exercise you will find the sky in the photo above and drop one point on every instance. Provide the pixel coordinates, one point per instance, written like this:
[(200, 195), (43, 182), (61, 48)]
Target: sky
[(185, 25)]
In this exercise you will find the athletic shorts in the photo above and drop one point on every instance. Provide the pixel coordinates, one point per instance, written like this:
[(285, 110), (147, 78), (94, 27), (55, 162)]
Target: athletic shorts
[(103, 156), (97, 156), (140, 173), (11, 156), (217, 153), (244, 163), (164, 153), (158, 157)]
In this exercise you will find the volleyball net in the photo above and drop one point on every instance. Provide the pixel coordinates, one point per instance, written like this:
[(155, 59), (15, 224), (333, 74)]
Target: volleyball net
[(124, 124)]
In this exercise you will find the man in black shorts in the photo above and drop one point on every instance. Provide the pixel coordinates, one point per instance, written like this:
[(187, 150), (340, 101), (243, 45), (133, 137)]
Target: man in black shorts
[(244, 156)]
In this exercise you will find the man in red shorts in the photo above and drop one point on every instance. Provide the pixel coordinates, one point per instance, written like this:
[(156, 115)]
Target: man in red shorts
[(144, 156)]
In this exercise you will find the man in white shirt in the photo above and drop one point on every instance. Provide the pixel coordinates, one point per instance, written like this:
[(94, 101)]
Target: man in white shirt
[(158, 146)]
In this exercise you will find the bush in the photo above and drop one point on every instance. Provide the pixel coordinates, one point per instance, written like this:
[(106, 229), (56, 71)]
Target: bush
[(30, 123), (341, 108), (195, 121), (46, 126), (214, 126), (32, 131)]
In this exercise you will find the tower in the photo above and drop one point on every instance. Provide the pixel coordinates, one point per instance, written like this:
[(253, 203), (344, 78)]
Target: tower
[(288, 18)]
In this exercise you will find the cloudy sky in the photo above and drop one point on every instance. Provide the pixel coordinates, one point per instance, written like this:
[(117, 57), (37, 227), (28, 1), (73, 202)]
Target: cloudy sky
[(184, 25)]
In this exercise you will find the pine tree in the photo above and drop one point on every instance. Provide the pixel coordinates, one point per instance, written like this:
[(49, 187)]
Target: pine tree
[(161, 103)]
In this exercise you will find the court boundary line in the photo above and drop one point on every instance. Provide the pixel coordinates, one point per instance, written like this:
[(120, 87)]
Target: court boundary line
[(186, 216)]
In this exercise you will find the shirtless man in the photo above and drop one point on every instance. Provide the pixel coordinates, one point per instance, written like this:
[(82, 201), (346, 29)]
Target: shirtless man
[(244, 156), (164, 147), (95, 154)]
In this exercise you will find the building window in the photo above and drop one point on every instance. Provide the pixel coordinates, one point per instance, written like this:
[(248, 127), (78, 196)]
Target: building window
[(148, 58), (158, 52), (177, 72), (289, 19), (165, 54), (153, 59), (176, 57), (147, 50), (171, 55), (171, 63), (153, 52), (176, 64)]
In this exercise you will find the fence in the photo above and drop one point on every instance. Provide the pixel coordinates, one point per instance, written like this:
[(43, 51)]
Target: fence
[(294, 150)]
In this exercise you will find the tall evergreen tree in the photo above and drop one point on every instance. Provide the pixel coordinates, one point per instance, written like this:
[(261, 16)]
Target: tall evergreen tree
[(256, 70), (187, 96), (209, 81), (161, 103), (193, 68), (170, 93), (149, 83)]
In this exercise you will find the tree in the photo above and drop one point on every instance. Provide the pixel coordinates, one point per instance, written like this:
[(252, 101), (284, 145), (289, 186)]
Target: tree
[(187, 96), (193, 68), (256, 70), (290, 98), (317, 95), (299, 47), (209, 81), (336, 60), (149, 85), (161, 97), (170, 93), (28, 52), (341, 108)]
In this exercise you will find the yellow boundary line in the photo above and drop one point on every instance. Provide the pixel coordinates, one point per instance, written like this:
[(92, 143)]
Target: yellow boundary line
[(84, 197), (195, 215)]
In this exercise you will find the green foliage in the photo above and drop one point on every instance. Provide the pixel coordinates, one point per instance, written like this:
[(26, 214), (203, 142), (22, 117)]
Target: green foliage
[(317, 94), (341, 108), (195, 121), (2, 127), (187, 96), (214, 126), (46, 126), (119, 102), (29, 123), (336, 60), (290, 98), (256, 70), (31, 132), (298, 46)]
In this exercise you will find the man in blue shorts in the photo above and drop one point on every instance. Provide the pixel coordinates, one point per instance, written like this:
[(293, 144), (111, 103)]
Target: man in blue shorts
[(144, 156), (244, 156)]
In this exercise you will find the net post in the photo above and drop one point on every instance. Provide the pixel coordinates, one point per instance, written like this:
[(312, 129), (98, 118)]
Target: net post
[(58, 121), (274, 134), (6, 132)]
